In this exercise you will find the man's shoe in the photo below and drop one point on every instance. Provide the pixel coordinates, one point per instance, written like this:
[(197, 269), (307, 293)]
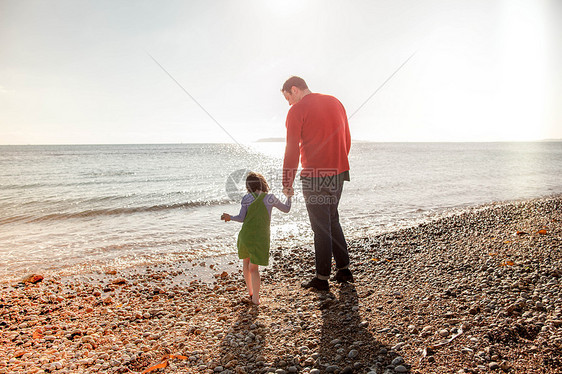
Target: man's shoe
[(317, 284), (343, 276)]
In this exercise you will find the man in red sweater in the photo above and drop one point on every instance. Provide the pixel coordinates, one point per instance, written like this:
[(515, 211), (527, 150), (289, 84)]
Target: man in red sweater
[(318, 135)]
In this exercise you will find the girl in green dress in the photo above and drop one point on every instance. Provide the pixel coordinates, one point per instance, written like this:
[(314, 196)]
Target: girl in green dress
[(253, 239)]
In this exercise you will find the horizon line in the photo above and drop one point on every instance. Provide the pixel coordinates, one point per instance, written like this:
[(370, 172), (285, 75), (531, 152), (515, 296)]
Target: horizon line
[(282, 140)]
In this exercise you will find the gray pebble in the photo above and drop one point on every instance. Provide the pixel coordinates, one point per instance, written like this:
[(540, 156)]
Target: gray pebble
[(303, 349), (397, 361)]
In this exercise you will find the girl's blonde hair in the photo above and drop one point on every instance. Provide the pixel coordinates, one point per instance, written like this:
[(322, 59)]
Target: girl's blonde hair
[(255, 182)]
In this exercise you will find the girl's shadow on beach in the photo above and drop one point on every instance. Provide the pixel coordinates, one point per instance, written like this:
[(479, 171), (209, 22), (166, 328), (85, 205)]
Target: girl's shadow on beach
[(241, 348), (345, 340)]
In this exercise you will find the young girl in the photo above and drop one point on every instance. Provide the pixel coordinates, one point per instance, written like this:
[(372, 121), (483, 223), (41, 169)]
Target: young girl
[(253, 239)]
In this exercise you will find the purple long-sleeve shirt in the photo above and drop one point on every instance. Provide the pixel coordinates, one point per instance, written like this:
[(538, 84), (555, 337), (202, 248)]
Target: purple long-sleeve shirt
[(270, 201)]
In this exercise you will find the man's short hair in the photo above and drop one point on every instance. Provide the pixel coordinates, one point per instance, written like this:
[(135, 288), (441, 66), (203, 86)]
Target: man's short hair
[(296, 82)]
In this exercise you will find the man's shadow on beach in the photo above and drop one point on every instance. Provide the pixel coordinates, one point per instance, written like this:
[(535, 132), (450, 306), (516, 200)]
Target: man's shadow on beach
[(346, 341), (242, 347)]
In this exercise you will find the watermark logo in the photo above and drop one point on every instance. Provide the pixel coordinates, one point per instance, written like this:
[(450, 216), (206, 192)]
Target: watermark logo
[(323, 190), (236, 184)]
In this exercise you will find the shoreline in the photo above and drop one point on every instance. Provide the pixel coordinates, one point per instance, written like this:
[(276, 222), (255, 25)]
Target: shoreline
[(193, 267), (464, 293)]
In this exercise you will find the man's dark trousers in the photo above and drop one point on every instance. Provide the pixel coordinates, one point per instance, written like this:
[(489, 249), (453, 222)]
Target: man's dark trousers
[(322, 196)]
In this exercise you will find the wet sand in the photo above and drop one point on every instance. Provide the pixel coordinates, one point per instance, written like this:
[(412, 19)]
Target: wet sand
[(473, 292)]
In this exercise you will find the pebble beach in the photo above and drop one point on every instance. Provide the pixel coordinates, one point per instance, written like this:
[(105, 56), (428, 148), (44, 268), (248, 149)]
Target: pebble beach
[(472, 292)]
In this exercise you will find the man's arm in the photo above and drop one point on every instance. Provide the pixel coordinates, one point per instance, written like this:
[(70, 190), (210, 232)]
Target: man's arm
[(347, 133), (347, 137), (292, 149)]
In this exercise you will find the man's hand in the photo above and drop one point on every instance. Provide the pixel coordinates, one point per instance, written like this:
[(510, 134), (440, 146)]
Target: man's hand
[(225, 217), (288, 191)]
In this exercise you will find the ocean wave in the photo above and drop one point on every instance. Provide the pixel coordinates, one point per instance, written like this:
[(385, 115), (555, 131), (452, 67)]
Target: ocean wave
[(100, 181), (104, 173), (20, 186), (111, 211)]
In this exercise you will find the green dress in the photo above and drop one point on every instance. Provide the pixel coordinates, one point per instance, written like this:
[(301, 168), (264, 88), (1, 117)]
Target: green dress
[(253, 239)]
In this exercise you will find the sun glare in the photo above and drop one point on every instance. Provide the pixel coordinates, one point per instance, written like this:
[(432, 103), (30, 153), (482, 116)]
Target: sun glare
[(269, 149), (523, 68)]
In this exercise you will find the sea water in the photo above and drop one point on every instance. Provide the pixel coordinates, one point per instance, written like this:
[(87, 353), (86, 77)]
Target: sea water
[(73, 208)]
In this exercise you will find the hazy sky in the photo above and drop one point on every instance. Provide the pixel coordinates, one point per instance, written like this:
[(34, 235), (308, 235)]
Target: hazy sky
[(80, 71)]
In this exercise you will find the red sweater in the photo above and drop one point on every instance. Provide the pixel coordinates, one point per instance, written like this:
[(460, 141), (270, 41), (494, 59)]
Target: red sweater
[(318, 133)]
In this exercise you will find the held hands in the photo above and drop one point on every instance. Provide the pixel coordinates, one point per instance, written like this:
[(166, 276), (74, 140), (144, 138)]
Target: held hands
[(288, 191), (225, 217)]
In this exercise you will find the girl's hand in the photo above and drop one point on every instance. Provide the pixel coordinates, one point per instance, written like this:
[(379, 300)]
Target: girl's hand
[(225, 217)]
